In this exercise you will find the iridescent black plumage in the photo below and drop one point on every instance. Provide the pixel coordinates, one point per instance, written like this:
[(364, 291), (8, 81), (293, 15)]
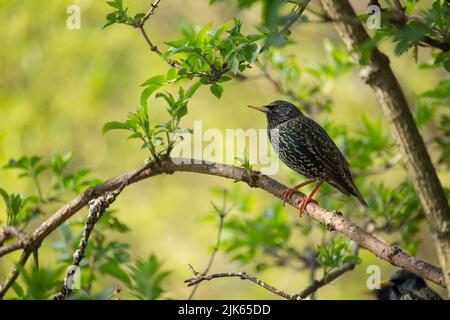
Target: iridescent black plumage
[(404, 285), (305, 147)]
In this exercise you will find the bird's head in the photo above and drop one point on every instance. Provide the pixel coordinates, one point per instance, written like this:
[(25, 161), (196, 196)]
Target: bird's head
[(406, 279), (279, 111), (400, 283)]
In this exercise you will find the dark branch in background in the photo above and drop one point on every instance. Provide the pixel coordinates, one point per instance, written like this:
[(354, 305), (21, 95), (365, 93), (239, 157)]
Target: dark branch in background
[(399, 19), (333, 220), (308, 105), (198, 277), (222, 212), (379, 75), (308, 291)]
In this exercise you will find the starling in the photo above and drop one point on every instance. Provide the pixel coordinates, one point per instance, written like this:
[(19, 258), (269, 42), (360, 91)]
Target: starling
[(404, 285), (304, 146)]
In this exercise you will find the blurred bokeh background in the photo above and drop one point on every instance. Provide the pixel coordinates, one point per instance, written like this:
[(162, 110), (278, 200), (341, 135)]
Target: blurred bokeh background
[(59, 86)]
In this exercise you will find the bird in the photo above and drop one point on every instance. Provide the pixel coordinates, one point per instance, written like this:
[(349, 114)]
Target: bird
[(305, 147), (404, 285)]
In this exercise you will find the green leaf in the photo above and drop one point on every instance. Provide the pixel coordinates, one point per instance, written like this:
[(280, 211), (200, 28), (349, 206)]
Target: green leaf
[(115, 4), (18, 289), (251, 52), (114, 270), (255, 37), (409, 36), (217, 90), (138, 16), (147, 92), (352, 259), (5, 197), (234, 63), (227, 25), (190, 92), (59, 163), (171, 74), (114, 125), (156, 80), (447, 65)]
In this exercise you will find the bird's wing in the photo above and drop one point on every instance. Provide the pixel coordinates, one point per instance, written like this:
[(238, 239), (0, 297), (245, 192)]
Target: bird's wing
[(327, 153), (333, 162)]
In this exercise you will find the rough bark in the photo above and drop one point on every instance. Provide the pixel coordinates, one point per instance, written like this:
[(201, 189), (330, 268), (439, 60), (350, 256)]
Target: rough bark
[(379, 75), (333, 220)]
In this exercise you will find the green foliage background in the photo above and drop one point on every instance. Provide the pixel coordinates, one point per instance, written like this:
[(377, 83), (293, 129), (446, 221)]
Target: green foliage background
[(59, 87)]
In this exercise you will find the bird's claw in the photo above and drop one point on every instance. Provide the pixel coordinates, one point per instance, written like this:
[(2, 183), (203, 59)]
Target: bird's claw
[(287, 194), (303, 203)]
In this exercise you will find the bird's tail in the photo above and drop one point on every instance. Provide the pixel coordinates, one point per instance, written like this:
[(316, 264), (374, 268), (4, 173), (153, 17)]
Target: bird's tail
[(350, 189), (360, 197)]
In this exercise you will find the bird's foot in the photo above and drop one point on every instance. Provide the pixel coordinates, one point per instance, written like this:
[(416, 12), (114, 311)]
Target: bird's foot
[(287, 194), (303, 203)]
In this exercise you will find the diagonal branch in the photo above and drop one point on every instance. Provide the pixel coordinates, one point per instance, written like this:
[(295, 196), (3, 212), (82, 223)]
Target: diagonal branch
[(333, 220), (29, 245), (14, 273)]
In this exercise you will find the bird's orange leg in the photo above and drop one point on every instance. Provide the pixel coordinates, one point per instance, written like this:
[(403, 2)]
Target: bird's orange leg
[(302, 205), (289, 191)]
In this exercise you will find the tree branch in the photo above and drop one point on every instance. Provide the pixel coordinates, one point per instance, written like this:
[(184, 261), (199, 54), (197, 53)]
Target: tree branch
[(378, 74), (198, 278), (96, 209), (14, 273), (309, 290), (11, 231), (153, 47), (332, 219)]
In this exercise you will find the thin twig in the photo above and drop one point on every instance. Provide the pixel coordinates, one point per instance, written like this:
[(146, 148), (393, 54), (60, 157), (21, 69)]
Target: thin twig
[(222, 214), (309, 106), (297, 12), (308, 291), (11, 231), (14, 273), (198, 278), (153, 6), (213, 75)]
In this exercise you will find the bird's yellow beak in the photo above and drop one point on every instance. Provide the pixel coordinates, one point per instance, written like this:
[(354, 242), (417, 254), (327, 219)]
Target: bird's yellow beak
[(384, 282), (381, 283), (262, 109)]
